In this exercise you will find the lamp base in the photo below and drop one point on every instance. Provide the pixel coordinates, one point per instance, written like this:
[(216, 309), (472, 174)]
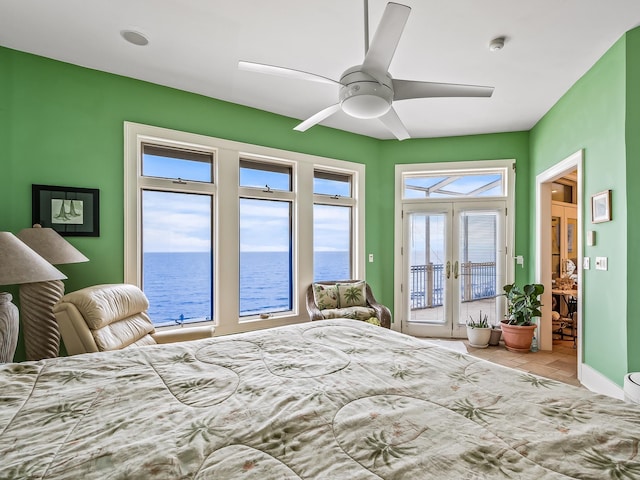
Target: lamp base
[(40, 328), (9, 327)]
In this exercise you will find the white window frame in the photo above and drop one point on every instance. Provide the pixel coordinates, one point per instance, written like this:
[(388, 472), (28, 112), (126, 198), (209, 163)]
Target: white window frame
[(342, 201), (402, 171), (226, 194), (290, 196)]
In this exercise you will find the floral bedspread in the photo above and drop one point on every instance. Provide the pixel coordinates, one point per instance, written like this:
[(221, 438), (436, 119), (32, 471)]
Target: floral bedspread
[(334, 399)]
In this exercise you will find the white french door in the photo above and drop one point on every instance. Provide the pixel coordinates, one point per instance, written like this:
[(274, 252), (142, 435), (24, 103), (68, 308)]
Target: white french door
[(454, 265)]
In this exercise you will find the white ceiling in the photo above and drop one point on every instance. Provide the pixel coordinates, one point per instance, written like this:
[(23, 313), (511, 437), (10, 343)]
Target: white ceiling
[(195, 46)]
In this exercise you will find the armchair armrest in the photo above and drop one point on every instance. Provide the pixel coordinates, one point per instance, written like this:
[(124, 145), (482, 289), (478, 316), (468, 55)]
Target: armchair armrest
[(382, 312), (314, 311), (183, 334)]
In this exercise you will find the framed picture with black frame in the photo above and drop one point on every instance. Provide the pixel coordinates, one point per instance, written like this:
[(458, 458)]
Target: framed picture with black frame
[(70, 211), (601, 207)]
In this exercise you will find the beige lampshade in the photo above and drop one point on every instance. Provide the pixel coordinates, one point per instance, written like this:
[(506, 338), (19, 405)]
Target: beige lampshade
[(50, 245), (20, 264)]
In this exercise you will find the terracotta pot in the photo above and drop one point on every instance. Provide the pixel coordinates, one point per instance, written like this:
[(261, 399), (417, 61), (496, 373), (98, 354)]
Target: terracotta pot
[(517, 338), (496, 333)]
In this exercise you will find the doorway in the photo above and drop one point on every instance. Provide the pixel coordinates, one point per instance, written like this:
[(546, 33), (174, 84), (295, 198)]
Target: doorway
[(559, 252), (454, 265)]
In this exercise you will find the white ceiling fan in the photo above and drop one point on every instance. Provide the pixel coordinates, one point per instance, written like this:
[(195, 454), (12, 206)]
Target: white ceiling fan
[(368, 90)]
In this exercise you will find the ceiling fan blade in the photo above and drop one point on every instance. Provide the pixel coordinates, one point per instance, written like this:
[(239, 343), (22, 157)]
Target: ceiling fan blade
[(404, 89), (392, 121), (317, 118), (385, 40), (284, 72)]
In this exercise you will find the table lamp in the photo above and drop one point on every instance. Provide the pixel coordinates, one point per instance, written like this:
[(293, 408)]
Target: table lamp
[(18, 265), (41, 334)]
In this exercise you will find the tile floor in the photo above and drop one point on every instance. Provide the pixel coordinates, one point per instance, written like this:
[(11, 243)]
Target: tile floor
[(560, 364)]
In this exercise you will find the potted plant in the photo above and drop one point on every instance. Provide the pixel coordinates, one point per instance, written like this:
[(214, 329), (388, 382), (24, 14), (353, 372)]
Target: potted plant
[(478, 331), (496, 333), (523, 305)]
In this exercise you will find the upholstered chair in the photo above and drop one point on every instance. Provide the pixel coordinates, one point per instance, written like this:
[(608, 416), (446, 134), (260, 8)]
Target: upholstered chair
[(112, 317), (346, 299)]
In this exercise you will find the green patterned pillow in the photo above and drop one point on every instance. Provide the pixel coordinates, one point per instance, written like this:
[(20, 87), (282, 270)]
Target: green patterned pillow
[(354, 313), (326, 296), (352, 294)]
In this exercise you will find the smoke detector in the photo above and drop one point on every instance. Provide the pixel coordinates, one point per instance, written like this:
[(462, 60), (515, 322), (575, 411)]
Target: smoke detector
[(496, 44)]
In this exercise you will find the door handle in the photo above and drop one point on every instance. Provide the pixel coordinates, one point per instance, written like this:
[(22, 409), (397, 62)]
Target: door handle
[(448, 269), (455, 270)]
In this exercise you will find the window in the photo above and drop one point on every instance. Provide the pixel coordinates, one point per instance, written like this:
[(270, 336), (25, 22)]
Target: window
[(177, 268), (454, 185), (232, 233), (332, 226), (266, 238), (177, 234), (176, 163)]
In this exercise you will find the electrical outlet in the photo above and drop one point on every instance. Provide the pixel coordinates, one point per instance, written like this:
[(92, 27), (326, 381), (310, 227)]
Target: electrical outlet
[(601, 263), (586, 263)]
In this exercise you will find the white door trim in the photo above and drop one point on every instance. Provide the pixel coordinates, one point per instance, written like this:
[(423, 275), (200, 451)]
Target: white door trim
[(543, 252)]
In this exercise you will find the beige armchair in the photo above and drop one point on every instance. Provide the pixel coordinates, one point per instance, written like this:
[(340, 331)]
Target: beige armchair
[(346, 299), (112, 317)]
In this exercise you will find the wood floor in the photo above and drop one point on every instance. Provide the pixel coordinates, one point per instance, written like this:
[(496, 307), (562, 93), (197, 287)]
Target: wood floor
[(561, 364)]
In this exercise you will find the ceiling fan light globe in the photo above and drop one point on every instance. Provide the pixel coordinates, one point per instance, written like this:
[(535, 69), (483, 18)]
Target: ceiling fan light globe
[(365, 106), (366, 99)]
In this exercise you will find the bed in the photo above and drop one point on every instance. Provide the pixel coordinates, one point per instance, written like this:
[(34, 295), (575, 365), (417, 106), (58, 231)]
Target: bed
[(336, 399)]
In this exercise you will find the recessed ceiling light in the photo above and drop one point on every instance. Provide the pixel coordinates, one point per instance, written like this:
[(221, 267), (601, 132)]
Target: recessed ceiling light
[(496, 44), (134, 37)]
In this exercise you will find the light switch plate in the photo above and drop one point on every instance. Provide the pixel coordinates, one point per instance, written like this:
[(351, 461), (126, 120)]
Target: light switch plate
[(371, 258), (586, 263), (601, 263)]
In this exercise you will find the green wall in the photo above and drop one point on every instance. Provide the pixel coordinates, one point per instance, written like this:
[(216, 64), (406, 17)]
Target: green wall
[(591, 116), (632, 137), (65, 127)]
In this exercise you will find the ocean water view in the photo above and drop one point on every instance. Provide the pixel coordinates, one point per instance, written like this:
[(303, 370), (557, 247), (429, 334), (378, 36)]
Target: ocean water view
[(178, 285)]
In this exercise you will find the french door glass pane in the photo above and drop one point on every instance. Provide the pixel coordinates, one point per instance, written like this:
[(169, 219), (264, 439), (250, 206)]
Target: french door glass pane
[(427, 257), (331, 242), (177, 265), (477, 265), (265, 256)]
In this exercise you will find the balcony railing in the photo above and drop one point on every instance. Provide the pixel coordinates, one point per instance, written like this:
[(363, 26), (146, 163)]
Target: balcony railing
[(477, 281)]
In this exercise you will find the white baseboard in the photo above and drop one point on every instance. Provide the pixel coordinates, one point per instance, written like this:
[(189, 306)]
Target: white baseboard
[(598, 383)]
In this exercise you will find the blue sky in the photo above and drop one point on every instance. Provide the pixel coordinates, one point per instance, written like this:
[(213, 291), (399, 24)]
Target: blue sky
[(179, 222)]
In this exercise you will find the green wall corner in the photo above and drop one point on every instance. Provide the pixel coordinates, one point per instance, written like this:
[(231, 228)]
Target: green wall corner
[(591, 116)]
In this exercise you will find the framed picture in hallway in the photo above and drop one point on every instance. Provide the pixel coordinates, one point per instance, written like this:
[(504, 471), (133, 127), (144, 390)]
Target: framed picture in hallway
[(70, 211), (601, 207)]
